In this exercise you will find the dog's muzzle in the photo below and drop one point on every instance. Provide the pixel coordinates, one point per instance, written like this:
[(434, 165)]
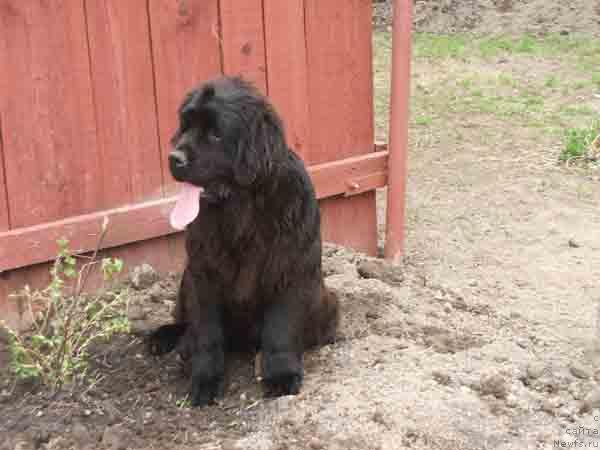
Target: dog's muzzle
[(177, 159), (178, 163)]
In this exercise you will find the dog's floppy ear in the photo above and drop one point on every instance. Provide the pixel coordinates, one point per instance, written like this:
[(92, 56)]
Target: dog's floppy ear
[(256, 148)]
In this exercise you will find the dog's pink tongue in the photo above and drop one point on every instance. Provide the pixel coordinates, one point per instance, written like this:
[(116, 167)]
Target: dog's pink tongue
[(187, 206)]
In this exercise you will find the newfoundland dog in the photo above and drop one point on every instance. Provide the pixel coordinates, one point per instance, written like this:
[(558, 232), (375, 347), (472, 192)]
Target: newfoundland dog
[(253, 278)]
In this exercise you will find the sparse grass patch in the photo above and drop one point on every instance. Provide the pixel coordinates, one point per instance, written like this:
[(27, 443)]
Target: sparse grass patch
[(423, 120), (533, 89), (551, 82), (461, 45), (579, 142), (507, 80), (498, 45), (579, 110), (426, 45)]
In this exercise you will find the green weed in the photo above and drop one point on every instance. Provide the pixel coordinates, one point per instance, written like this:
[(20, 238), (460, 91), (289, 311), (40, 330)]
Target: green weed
[(183, 403), (579, 142), (551, 82), (65, 322), (439, 46), (423, 120)]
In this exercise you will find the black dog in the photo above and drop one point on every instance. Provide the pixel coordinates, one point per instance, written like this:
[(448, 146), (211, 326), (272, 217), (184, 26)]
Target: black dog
[(253, 278)]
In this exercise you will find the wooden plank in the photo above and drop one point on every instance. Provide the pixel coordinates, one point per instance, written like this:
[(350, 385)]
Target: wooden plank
[(350, 176), (148, 220), (287, 69), (47, 112), (36, 244), (243, 40), (186, 52), (339, 57), (340, 99), (344, 222), (4, 222), (123, 83)]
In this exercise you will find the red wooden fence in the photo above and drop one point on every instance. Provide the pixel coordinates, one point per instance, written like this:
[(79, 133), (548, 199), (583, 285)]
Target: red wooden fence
[(88, 97)]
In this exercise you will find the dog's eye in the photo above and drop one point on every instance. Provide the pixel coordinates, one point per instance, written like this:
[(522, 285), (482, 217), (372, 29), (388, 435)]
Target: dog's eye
[(213, 137)]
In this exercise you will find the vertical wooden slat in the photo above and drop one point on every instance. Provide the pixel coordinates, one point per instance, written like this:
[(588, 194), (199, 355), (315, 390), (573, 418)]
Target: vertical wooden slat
[(341, 109), (4, 223), (123, 83), (340, 78), (47, 113), (244, 40), (186, 52), (288, 72), (351, 222)]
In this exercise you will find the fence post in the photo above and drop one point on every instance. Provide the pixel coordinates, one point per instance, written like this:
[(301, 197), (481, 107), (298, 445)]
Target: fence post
[(398, 134)]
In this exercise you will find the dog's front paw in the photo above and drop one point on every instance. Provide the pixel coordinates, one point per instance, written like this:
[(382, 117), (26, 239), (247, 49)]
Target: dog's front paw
[(289, 384), (206, 392), (165, 338), (282, 374)]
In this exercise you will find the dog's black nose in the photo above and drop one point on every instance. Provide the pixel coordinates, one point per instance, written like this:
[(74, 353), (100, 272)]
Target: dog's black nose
[(178, 159)]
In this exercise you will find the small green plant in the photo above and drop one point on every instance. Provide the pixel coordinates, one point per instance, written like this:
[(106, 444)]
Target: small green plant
[(440, 46), (551, 81), (64, 321), (423, 120), (580, 143), (183, 403)]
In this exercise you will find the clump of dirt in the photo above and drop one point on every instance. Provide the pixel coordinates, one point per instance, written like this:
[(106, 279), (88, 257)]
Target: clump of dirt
[(415, 365), (499, 16)]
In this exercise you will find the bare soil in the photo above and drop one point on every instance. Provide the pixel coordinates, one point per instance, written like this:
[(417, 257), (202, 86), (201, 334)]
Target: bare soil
[(499, 16), (487, 336)]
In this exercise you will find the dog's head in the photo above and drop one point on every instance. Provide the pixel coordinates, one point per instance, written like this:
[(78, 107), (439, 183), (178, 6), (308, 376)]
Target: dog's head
[(228, 135)]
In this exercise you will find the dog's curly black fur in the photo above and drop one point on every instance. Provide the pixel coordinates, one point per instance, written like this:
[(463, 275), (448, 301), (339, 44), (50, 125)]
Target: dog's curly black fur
[(253, 278)]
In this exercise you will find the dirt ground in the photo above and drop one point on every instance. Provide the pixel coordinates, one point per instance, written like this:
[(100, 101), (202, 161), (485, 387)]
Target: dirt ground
[(487, 337), (499, 16)]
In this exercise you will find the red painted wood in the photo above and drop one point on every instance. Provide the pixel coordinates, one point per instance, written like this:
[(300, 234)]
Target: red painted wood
[(243, 40), (148, 220), (127, 224), (350, 176), (288, 72), (395, 222), (123, 83), (186, 52), (49, 132), (4, 223), (339, 58), (348, 222)]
